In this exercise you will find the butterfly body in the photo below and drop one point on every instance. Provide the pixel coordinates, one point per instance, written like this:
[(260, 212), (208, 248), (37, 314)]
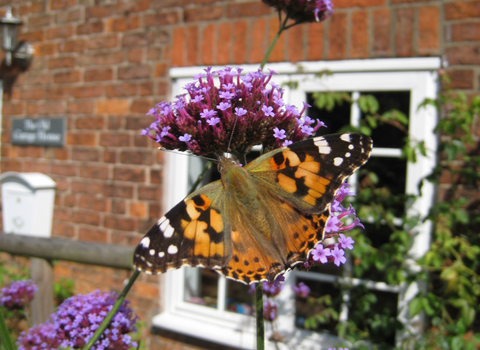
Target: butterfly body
[(259, 220)]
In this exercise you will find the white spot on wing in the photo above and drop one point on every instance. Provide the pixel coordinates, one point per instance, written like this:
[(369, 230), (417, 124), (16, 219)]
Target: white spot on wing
[(351, 147), (172, 249), (161, 254), (168, 232), (152, 251), (337, 161), (345, 137), (162, 219), (145, 242), (347, 155), (149, 263), (322, 145)]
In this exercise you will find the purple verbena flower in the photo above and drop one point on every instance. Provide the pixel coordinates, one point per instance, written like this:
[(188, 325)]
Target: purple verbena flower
[(338, 255), (75, 322), (272, 289), (302, 11), (301, 290), (270, 310), (17, 294), (320, 254)]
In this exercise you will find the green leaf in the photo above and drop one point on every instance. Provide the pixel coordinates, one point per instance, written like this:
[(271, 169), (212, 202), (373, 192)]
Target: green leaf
[(415, 306)]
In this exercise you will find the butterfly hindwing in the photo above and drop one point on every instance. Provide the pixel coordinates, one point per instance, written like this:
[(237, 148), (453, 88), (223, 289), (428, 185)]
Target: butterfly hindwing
[(308, 173), (191, 233)]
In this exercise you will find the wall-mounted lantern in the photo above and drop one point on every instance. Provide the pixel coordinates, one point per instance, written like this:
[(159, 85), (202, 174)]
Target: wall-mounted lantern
[(22, 51)]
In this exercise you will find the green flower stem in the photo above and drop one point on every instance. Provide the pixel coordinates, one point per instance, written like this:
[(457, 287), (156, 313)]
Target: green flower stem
[(112, 312), (259, 311), (270, 48), (5, 336)]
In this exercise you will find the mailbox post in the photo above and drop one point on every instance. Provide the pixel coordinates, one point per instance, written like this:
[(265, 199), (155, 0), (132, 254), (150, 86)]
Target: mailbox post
[(27, 203)]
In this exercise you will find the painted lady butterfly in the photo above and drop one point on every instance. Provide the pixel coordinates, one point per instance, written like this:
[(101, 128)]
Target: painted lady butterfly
[(259, 220)]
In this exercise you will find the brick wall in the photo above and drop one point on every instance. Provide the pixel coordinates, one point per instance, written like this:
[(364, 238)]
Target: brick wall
[(104, 64)]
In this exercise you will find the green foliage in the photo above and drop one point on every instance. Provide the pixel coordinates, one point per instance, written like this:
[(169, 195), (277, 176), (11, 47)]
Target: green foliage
[(63, 289), (450, 270)]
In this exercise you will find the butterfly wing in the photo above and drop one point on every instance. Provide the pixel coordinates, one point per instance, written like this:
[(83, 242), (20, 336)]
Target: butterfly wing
[(308, 173), (191, 233)]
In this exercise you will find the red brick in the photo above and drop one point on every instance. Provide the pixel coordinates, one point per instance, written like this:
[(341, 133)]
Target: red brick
[(121, 223), (84, 107), (86, 186), (209, 13), (33, 36), (136, 157), (11, 165), (106, 58), (136, 39), (34, 7), (29, 152), (135, 55), (248, 9), (257, 40), (138, 210), (240, 31), (161, 70), (337, 34), (114, 140), (101, 11), (86, 91), (90, 28), (404, 22), (72, 76), (134, 72), (98, 172), (192, 44), (120, 90), (224, 42), (278, 52), (61, 62), (295, 43), (178, 47), (118, 206), (76, 45), (68, 16), (31, 94), (37, 79), (86, 217), (42, 49), (81, 139), (465, 31), (155, 176), (381, 33), (462, 9), (63, 169), (103, 42), (45, 108), (96, 203), (57, 93), (36, 167), (61, 4), (136, 6), (428, 29), (141, 106), (164, 18), (129, 174), (315, 40), (110, 157), (90, 234), (461, 78), (154, 210), (41, 20), (62, 230), (149, 193), (61, 32), (86, 154), (359, 43), (100, 74), (207, 45), (95, 123), (113, 106), (122, 24), (115, 124), (359, 3)]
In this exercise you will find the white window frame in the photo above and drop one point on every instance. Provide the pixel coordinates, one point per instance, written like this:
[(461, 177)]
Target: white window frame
[(418, 75)]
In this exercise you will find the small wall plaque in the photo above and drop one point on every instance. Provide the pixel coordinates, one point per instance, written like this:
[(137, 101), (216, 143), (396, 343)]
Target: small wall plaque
[(45, 132)]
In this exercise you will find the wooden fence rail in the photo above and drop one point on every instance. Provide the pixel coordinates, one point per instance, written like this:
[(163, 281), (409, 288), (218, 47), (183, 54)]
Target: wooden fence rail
[(108, 255)]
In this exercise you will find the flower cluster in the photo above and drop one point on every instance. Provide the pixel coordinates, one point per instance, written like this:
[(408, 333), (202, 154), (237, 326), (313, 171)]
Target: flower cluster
[(18, 294), (302, 290), (336, 251), (224, 111), (75, 322), (270, 310), (302, 11)]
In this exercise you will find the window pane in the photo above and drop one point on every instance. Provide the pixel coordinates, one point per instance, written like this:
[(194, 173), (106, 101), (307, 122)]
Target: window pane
[(201, 286), (238, 298), (386, 135), (316, 312), (335, 119)]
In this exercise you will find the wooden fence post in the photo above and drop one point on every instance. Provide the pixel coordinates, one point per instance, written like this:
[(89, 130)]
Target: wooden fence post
[(41, 272)]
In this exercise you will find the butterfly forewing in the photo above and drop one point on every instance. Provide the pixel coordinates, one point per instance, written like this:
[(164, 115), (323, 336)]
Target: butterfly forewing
[(308, 173), (191, 233)]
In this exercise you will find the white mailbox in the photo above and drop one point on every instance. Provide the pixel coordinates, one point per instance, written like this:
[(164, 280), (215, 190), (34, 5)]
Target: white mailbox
[(27, 203)]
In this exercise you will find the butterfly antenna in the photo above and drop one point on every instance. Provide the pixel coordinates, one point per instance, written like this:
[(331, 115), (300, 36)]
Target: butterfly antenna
[(187, 154), (231, 136)]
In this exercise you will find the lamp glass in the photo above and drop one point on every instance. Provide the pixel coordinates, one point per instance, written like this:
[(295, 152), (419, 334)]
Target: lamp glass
[(9, 36)]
